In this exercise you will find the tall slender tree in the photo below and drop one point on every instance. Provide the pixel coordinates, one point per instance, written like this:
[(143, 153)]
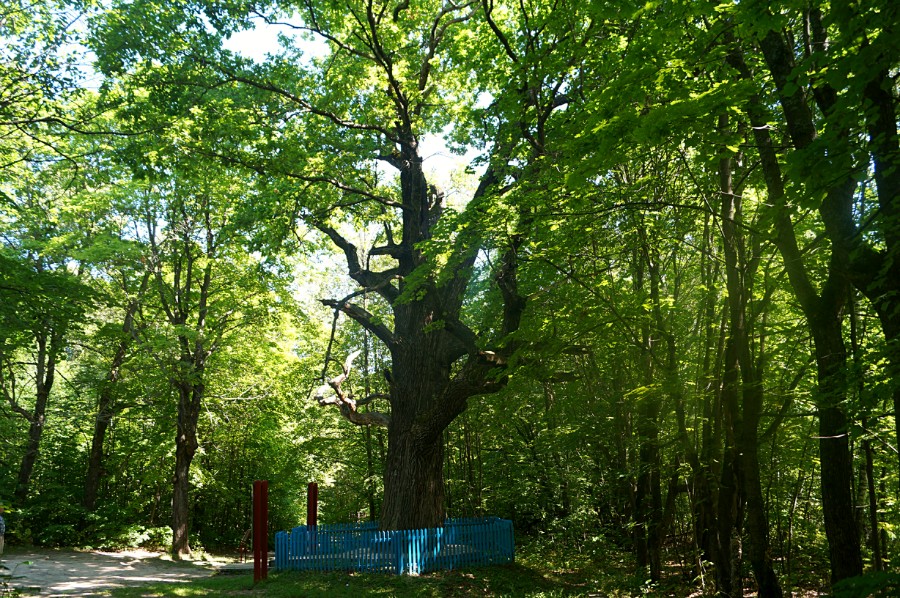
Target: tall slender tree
[(44, 302)]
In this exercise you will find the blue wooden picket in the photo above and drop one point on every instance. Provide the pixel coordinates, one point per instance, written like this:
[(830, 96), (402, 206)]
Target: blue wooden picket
[(363, 547)]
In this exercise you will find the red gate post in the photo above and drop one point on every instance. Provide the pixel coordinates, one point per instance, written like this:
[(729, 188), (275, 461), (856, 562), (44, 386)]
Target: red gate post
[(312, 504), (260, 530), (312, 514)]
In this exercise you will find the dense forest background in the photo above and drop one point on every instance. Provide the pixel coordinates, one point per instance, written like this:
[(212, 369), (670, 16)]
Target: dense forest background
[(654, 311)]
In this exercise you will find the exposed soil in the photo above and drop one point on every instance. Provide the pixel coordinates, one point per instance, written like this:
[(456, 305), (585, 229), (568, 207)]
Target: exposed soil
[(45, 572)]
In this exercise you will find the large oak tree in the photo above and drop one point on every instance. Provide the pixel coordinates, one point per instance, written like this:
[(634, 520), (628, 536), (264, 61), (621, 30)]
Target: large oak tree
[(341, 136)]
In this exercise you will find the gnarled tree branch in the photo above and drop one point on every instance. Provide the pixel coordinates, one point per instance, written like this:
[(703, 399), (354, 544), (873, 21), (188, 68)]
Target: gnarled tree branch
[(345, 402), (380, 282), (363, 318)]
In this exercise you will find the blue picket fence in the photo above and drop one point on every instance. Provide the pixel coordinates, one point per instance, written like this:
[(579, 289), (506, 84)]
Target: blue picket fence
[(363, 547)]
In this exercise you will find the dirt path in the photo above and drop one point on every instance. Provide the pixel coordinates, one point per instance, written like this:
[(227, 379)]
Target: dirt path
[(42, 572)]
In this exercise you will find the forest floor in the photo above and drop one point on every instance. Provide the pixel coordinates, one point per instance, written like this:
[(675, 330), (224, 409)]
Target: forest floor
[(65, 572)]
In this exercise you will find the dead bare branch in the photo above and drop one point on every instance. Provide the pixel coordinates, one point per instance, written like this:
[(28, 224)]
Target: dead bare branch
[(344, 400)]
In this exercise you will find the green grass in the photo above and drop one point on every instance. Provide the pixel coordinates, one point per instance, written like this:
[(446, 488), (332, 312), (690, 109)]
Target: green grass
[(536, 574), (500, 581)]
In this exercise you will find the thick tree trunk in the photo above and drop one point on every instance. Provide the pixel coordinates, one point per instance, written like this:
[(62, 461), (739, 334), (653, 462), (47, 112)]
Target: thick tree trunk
[(414, 472), (877, 275), (730, 508), (414, 480), (758, 526), (105, 407), (32, 448), (648, 496), (189, 397), (648, 493), (825, 317), (185, 301), (823, 310), (95, 459), (427, 393), (48, 347), (740, 269), (836, 466)]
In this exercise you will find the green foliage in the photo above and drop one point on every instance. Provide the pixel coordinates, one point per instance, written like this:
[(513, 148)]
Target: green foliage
[(872, 585), (606, 127)]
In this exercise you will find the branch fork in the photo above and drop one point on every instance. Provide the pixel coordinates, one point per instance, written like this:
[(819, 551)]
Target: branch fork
[(345, 401)]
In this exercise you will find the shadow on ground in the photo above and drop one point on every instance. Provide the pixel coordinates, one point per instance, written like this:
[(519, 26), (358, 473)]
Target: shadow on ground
[(44, 572)]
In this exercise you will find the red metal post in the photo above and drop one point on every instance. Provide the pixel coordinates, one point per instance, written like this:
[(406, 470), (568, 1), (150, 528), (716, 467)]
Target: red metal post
[(312, 515), (312, 504), (260, 530)]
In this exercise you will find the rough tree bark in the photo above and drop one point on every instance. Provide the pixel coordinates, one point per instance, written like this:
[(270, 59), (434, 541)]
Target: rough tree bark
[(185, 301), (427, 339), (190, 397), (877, 273), (30, 355), (106, 408), (874, 271), (189, 381), (703, 459), (49, 344), (437, 361), (823, 308), (648, 495), (868, 452), (741, 264)]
